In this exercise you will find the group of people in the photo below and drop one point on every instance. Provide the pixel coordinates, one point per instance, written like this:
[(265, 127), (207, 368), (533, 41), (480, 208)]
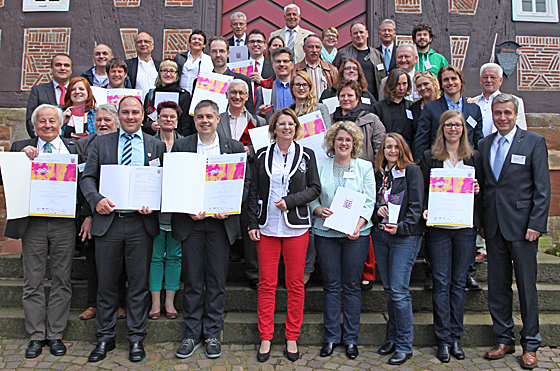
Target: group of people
[(400, 112)]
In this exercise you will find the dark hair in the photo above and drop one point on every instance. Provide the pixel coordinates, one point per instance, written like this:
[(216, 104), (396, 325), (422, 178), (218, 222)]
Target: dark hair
[(422, 26), (355, 23), (274, 119), (267, 53), (90, 100), (256, 31), (60, 55), (454, 69), (207, 103), (404, 158), (361, 77), (116, 62), (351, 84), (392, 81), (198, 32), (282, 50), (129, 97), (169, 104), (219, 38)]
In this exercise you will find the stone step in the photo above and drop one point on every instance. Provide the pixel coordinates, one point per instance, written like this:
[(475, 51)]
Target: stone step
[(241, 328), (240, 298)]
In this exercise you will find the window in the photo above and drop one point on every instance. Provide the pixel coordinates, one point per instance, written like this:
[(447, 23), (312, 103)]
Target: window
[(535, 10), (46, 5)]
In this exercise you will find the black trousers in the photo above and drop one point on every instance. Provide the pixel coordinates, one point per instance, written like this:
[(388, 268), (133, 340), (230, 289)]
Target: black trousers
[(249, 246), (125, 239), (500, 294), (205, 266)]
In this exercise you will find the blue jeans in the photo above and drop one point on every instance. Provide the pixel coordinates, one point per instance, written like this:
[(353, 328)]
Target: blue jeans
[(451, 252), (342, 261), (395, 256)]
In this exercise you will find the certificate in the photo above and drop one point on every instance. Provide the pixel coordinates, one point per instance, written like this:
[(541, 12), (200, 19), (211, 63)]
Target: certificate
[(161, 96), (238, 53), (16, 177), (243, 67), (213, 184), (331, 104), (260, 137), (131, 187), (312, 133), (451, 197), (100, 95), (347, 207), (212, 86), (114, 96)]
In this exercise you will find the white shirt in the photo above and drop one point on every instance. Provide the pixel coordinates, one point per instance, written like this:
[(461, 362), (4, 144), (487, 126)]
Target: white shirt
[(237, 124), (287, 32), (146, 76), (208, 150), (259, 63), (190, 72), (486, 108), (494, 148), (414, 96), (58, 146), (242, 40), (279, 182), (58, 92)]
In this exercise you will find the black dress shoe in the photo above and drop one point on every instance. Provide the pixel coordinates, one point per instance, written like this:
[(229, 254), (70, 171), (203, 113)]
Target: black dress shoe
[(327, 349), (263, 357), (399, 358), (472, 284), (292, 357), (352, 351), (443, 353), (57, 347), (366, 287), (100, 351), (136, 351), (387, 348), (456, 351), (254, 283), (34, 348)]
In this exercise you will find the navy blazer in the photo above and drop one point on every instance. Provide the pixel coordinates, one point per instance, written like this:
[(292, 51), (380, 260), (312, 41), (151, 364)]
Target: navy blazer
[(393, 63), (103, 150), (520, 198), (428, 124)]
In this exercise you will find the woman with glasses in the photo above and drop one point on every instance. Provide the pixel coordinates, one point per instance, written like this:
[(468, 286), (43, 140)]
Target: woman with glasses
[(168, 81), (350, 69), (273, 43), (428, 89), (330, 39), (450, 249), (305, 98), (283, 183), (342, 255), (398, 228)]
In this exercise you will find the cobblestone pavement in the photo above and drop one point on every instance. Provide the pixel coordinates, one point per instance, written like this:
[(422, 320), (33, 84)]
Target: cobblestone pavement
[(243, 357)]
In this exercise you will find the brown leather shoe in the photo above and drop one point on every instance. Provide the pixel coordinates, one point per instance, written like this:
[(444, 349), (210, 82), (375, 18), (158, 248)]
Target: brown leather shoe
[(171, 315), (528, 360), (122, 313), (155, 315), (499, 351), (88, 313)]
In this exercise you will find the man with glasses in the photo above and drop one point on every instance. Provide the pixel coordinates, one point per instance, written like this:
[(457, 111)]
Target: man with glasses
[(256, 41), (387, 33), (238, 22), (143, 70), (194, 61), (323, 74)]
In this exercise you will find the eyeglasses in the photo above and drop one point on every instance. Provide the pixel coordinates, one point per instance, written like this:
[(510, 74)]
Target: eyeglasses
[(449, 126), (168, 72), (391, 148), (301, 85), (235, 92), (284, 61), (255, 42), (289, 124), (350, 68), (331, 35)]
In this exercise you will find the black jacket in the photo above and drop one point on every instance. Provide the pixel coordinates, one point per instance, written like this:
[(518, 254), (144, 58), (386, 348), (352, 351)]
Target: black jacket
[(185, 126), (304, 187), (401, 124), (132, 64)]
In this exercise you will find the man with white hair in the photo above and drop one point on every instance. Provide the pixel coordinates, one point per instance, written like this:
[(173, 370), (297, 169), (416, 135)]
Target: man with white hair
[(292, 34), (387, 32), (238, 23), (406, 56)]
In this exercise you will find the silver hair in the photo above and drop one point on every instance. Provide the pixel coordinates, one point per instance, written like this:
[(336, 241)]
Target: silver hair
[(504, 98), (112, 110), (238, 82), (238, 14), (494, 65), (411, 46), (43, 106), (385, 21), (290, 6)]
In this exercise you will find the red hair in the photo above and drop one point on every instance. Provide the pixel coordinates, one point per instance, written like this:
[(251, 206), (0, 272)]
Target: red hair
[(90, 101)]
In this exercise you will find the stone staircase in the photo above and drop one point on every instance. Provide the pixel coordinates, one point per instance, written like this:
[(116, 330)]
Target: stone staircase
[(240, 318)]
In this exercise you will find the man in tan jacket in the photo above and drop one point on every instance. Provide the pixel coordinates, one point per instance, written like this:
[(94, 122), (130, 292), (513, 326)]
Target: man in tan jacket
[(323, 74)]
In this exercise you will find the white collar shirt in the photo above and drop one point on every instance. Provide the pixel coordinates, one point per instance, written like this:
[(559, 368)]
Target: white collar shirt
[(288, 32), (486, 108), (208, 150), (238, 124), (242, 40), (494, 148), (146, 76), (190, 72), (58, 146), (57, 91)]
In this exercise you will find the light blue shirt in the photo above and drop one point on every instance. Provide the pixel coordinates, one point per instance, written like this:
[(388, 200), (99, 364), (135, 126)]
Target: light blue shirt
[(456, 106), (137, 147), (284, 95)]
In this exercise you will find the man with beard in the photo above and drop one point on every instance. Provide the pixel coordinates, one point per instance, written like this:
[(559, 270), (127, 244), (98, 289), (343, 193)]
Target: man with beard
[(323, 74), (428, 59)]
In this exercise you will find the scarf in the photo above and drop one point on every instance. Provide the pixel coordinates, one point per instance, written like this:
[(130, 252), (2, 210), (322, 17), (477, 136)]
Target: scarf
[(350, 116)]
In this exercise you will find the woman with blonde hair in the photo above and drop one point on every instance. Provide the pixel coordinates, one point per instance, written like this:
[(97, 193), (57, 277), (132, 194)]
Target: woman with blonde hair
[(428, 89), (305, 97), (330, 39)]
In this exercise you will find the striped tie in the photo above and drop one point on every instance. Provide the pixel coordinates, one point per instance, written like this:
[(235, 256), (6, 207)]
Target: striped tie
[(292, 40), (127, 151), (47, 148)]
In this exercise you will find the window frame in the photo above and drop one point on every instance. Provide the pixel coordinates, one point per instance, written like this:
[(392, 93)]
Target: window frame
[(46, 6), (518, 15)]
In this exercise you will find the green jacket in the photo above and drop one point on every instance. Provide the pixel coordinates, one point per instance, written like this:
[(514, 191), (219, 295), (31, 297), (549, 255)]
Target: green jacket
[(436, 61)]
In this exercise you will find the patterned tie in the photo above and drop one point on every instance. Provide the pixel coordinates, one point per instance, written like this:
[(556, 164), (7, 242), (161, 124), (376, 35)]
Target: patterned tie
[(238, 42), (62, 94), (47, 147), (387, 58), (500, 157), (292, 40), (127, 151)]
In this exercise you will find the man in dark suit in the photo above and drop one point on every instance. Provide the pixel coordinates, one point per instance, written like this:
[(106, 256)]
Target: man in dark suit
[(516, 199), (51, 92), (143, 70), (42, 236), (256, 42), (205, 243), (238, 22), (122, 234), (452, 81), (387, 33)]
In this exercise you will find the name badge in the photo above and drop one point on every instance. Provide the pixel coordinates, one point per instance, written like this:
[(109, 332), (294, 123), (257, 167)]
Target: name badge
[(518, 159), (349, 175), (409, 114), (154, 162), (427, 65), (380, 67), (472, 122), (81, 167), (366, 100)]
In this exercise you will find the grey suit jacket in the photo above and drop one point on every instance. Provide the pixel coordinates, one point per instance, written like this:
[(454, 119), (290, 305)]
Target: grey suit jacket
[(40, 94), (224, 130), (259, 100), (103, 150), (298, 45), (520, 198), (182, 224)]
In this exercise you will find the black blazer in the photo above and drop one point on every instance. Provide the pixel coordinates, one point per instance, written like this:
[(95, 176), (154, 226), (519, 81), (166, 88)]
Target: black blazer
[(428, 163), (132, 64), (15, 228), (40, 94), (249, 103), (401, 125), (231, 41), (520, 199), (304, 187), (182, 224), (410, 221), (393, 63), (428, 124), (267, 71), (103, 150)]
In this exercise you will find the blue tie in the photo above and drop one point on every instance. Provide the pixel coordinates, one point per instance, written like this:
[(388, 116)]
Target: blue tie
[(387, 58), (47, 147), (500, 157), (126, 158)]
